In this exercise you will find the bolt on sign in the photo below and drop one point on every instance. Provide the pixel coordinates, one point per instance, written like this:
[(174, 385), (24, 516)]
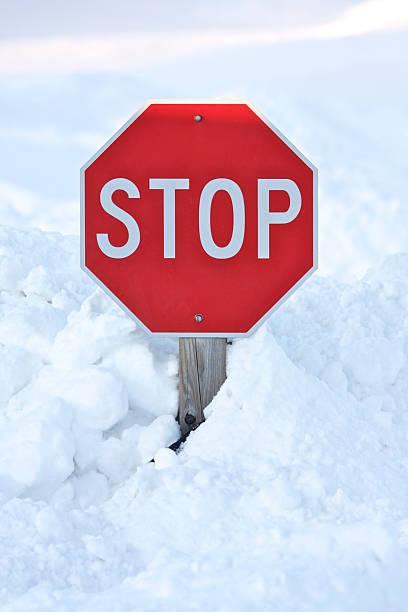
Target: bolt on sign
[(199, 218)]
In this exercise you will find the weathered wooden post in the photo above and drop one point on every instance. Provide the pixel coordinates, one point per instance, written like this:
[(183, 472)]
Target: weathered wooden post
[(202, 370)]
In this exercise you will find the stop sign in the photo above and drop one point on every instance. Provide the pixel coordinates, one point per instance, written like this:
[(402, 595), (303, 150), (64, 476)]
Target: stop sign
[(199, 218)]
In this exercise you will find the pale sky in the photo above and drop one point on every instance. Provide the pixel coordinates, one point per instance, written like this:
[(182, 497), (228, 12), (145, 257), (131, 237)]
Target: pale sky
[(58, 37), (37, 18)]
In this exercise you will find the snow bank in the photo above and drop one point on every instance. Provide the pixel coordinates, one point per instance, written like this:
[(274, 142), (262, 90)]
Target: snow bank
[(293, 494), (84, 399)]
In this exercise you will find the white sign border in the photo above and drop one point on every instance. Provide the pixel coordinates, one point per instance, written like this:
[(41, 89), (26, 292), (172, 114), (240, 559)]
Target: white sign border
[(315, 219)]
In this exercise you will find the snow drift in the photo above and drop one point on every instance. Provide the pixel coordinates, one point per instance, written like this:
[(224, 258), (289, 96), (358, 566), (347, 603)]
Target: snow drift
[(293, 494)]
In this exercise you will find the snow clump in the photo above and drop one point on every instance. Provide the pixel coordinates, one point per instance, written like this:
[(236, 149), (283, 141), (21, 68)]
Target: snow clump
[(77, 377)]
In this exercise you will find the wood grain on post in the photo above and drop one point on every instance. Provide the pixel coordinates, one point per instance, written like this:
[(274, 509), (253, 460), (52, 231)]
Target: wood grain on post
[(202, 371)]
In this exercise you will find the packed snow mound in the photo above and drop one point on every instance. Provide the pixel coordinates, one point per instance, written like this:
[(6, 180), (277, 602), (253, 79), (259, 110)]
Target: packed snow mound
[(84, 398), (293, 495)]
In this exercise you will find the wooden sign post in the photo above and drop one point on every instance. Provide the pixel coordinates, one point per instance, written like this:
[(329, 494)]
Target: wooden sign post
[(202, 371)]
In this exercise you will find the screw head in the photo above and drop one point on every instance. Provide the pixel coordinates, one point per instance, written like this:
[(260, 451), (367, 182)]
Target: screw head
[(199, 318), (198, 118)]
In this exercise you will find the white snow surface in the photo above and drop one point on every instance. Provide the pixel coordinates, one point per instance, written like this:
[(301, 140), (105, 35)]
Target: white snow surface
[(292, 496)]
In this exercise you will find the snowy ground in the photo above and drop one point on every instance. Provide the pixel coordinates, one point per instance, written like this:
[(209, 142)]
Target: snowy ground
[(293, 495)]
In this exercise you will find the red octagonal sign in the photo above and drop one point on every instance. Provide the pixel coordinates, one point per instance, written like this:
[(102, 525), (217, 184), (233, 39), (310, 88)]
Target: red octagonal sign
[(199, 218)]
